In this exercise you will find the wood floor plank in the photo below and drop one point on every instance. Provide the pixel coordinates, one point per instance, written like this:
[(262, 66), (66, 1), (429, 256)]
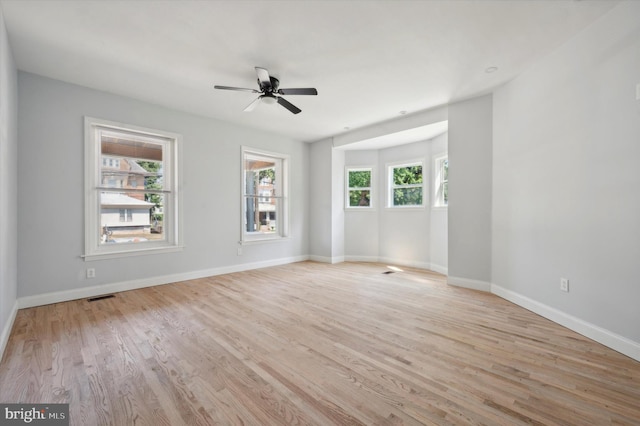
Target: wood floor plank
[(316, 344)]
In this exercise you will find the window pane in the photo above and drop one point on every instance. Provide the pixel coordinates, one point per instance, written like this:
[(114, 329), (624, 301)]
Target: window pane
[(407, 175), (407, 196), (445, 170), (359, 179), (261, 215), (359, 198), (131, 217)]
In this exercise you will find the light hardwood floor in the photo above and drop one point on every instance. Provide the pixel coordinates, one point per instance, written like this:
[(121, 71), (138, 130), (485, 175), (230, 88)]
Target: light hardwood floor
[(311, 343)]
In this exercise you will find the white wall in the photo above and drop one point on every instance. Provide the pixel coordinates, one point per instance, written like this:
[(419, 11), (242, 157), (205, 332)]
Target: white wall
[(50, 184), (400, 236), (566, 182), (404, 233), (361, 227), (8, 186), (470, 140)]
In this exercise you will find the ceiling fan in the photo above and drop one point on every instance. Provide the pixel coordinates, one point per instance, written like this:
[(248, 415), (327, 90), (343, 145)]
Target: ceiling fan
[(270, 92)]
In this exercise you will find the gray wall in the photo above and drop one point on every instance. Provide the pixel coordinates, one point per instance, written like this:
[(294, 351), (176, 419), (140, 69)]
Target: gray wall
[(320, 214), (470, 162), (50, 184), (8, 185), (566, 187)]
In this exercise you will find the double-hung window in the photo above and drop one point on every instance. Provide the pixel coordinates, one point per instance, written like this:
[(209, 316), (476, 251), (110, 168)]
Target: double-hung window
[(441, 181), (264, 195), (358, 187), (131, 190), (406, 184)]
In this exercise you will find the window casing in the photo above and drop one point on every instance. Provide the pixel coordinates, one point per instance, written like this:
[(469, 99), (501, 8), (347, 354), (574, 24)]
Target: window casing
[(441, 181), (359, 192), (406, 185), (132, 203), (265, 199)]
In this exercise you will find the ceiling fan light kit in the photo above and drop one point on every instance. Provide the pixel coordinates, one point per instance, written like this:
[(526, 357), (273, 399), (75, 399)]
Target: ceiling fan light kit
[(270, 92)]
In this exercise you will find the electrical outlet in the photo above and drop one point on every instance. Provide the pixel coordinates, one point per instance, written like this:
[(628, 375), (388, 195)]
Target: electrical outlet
[(239, 251), (564, 284), (91, 272)]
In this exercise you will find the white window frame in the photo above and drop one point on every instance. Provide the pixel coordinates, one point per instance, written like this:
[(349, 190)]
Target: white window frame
[(172, 209), (348, 189), (391, 186), (281, 196), (438, 182)]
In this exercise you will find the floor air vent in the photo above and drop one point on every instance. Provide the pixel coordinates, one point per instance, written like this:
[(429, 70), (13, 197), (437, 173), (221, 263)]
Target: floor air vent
[(106, 296)]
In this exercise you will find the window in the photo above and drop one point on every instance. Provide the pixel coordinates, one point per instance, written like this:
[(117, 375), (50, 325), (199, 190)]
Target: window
[(406, 185), (358, 188), (264, 197), (131, 180), (441, 181)]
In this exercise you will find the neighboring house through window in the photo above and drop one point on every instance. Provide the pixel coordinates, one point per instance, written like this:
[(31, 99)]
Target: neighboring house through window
[(131, 181), (358, 187), (406, 184), (265, 195)]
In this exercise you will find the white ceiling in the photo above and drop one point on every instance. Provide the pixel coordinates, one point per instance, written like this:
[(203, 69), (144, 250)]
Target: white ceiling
[(369, 60), (413, 134)]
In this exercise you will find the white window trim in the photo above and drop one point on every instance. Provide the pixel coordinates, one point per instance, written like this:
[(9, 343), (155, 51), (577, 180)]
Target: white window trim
[(437, 183), (389, 191), (93, 250), (371, 205), (283, 220)]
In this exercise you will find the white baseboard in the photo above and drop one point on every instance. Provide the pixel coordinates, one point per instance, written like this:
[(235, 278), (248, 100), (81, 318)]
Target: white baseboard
[(327, 259), (403, 262), (370, 259), (85, 292), (469, 283), (6, 330), (614, 341), (419, 265), (440, 269)]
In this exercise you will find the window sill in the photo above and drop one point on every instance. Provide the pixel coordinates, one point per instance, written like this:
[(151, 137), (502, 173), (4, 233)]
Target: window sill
[(359, 209), (129, 253), (439, 208), (263, 240), (405, 208)]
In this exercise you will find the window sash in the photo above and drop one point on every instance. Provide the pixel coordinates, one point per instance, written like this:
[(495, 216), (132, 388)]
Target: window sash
[(96, 131), (361, 189), (393, 186), (277, 200)]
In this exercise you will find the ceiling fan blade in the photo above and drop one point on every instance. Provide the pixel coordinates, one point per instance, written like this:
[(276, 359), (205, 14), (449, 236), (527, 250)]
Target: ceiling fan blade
[(305, 91), (253, 104), (241, 89), (263, 77), (288, 105)]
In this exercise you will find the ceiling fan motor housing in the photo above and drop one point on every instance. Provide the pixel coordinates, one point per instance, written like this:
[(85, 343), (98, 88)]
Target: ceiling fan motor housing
[(275, 83)]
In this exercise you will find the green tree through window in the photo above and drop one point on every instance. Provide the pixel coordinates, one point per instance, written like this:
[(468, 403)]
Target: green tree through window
[(359, 187), (407, 185)]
